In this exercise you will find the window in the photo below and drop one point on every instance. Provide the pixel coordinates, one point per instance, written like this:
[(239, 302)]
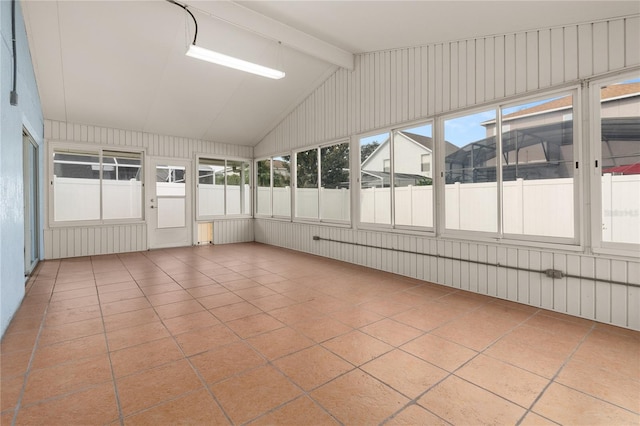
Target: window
[(237, 190), (538, 168), (307, 184), (263, 187), (210, 187), (470, 173), (223, 187), (375, 182), (335, 196), (521, 183), (98, 185), (619, 112), (323, 188), (412, 185), (282, 186), (273, 192)]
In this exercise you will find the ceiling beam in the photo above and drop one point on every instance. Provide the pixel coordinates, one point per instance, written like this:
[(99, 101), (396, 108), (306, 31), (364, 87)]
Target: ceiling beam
[(249, 20)]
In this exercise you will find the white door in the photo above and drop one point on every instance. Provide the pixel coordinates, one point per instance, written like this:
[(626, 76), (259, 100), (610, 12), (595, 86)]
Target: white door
[(168, 201)]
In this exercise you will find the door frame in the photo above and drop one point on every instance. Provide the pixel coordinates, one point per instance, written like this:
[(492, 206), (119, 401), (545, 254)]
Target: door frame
[(31, 186), (157, 237)]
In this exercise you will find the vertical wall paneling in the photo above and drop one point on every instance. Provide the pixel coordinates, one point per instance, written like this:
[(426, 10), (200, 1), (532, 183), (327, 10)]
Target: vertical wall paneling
[(535, 279), (509, 65), (633, 296), (619, 293), (632, 41), (499, 69), (521, 57), (454, 76), (473, 273), (600, 40), (446, 77), (413, 84), (573, 285), (479, 72), (544, 58), (483, 283), (585, 50), (560, 284), (404, 90), (438, 92), (465, 281), (489, 70), (532, 63), (603, 290), (616, 39), (570, 60), (472, 70), (522, 280), (587, 287)]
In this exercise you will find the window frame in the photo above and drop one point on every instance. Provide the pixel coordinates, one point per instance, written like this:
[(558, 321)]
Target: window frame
[(358, 177), (196, 179), (598, 245), (500, 235), (70, 147), (393, 226), (256, 186), (294, 183)]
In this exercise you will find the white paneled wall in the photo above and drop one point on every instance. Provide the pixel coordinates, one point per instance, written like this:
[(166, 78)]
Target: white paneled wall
[(391, 88), (69, 241), (232, 231), (75, 241)]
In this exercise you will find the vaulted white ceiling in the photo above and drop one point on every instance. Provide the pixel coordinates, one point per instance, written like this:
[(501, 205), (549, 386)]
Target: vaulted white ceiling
[(121, 63)]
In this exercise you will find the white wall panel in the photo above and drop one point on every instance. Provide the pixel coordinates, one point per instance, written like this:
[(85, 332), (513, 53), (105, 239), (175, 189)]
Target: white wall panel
[(94, 240), (233, 231), (632, 41)]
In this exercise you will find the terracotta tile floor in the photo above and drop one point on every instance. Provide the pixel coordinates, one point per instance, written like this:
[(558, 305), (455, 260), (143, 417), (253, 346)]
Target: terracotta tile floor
[(253, 334)]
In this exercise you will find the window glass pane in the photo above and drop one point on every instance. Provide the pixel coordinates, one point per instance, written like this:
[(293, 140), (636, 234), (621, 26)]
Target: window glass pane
[(375, 179), (170, 180), (246, 187), (76, 186), (210, 187), (235, 187), (413, 191), (307, 184), (282, 186), (620, 125), (537, 168), (263, 187), (121, 185), (335, 199), (470, 173)]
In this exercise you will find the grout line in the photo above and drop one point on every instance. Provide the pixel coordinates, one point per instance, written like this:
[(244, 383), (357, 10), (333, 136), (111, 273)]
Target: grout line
[(106, 341), (555, 376)]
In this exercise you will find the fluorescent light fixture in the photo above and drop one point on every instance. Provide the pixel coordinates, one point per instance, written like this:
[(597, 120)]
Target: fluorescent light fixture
[(231, 62)]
